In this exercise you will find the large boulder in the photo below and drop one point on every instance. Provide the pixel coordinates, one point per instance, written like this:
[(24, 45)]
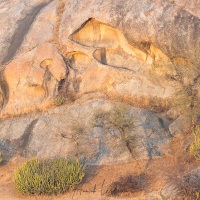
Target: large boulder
[(53, 134)]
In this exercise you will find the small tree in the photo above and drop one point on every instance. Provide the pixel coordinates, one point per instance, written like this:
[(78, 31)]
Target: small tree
[(119, 124)]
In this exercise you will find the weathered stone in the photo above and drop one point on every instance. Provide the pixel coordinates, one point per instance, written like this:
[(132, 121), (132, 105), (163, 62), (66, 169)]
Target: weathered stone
[(98, 35), (153, 195), (194, 177), (79, 60), (29, 82), (180, 125), (42, 29), (50, 135), (141, 52), (139, 38), (16, 18), (193, 7), (168, 26), (54, 61), (119, 58), (169, 191)]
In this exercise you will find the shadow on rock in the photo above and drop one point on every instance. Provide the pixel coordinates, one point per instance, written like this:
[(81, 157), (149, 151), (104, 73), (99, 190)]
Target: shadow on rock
[(6, 152)]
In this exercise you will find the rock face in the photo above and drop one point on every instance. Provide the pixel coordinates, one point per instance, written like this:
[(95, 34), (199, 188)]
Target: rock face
[(141, 52), (19, 18), (90, 54), (33, 77), (52, 135), (115, 48), (166, 24)]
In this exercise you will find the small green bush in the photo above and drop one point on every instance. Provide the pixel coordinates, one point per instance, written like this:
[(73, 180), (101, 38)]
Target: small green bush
[(195, 146), (1, 159), (52, 176), (59, 101)]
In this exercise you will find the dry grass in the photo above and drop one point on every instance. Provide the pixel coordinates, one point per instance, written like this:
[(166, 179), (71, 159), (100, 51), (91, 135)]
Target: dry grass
[(195, 146), (55, 40), (13, 112), (128, 184), (178, 173), (155, 104), (186, 183)]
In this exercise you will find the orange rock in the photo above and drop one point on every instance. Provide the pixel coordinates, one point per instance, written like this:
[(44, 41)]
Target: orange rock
[(47, 56)]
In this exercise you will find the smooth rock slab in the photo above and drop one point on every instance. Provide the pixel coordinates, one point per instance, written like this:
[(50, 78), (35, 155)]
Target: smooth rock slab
[(50, 134)]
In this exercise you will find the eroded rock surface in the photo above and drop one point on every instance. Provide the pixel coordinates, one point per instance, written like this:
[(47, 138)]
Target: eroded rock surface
[(167, 25), (33, 78), (119, 49), (52, 135), (16, 18), (87, 54), (142, 53), (115, 49)]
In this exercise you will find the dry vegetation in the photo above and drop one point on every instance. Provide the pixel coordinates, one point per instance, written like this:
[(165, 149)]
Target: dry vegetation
[(128, 184), (14, 112)]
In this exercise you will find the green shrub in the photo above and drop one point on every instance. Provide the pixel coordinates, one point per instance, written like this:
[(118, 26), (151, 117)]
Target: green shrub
[(1, 159), (59, 101), (195, 146), (52, 176)]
